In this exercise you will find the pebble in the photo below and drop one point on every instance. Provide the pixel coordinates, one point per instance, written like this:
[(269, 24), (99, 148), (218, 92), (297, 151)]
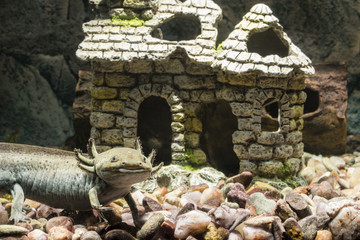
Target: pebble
[(151, 205), (211, 193), (309, 227), (330, 202), (244, 178), (90, 235), (292, 229), (323, 235), (150, 227), (118, 234), (37, 234), (237, 194), (191, 223), (342, 226), (283, 210), (62, 221), (261, 203), (12, 230), (4, 216), (298, 204), (60, 233), (214, 233)]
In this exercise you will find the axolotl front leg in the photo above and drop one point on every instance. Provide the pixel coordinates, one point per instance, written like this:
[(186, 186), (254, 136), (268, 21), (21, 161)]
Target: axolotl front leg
[(18, 200)]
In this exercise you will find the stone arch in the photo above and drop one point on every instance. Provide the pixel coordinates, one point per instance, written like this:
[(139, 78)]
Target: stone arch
[(130, 122)]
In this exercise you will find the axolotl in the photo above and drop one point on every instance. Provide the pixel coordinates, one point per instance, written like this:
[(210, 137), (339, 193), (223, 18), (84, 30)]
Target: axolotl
[(64, 179)]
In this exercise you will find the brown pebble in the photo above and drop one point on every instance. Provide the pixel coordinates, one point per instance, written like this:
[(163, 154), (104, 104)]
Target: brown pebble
[(199, 187), (118, 234), (62, 221), (151, 205), (323, 235), (244, 178), (299, 190)]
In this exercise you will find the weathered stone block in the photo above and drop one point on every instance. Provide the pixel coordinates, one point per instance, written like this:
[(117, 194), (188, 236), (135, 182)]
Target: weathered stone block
[(103, 93), (270, 138), (294, 165), (145, 89), (270, 168), (112, 136), (173, 66), (178, 117), (257, 151), (95, 134), (173, 98), (131, 113), (294, 137), (244, 123), (192, 140), (126, 122), (283, 151), (136, 95), (244, 80), (178, 157), (177, 147), (243, 137), (139, 66), (190, 109), (248, 166), (124, 93), (114, 106), (207, 96), (193, 125), (175, 108), (98, 78), (298, 150), (129, 132), (162, 78), (296, 83), (188, 82), (96, 105), (301, 97), (273, 83), (178, 137), (226, 94), (177, 127), (241, 109), (240, 151), (102, 120), (119, 80), (129, 142)]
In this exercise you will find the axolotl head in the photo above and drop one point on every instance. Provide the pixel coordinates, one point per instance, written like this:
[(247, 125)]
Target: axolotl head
[(123, 166), (119, 166)]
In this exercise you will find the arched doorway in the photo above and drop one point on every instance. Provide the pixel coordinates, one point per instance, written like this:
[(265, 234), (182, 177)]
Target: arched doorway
[(216, 138), (154, 128)]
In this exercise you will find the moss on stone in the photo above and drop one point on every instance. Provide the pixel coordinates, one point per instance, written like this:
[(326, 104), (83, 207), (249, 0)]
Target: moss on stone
[(127, 22), (192, 161)]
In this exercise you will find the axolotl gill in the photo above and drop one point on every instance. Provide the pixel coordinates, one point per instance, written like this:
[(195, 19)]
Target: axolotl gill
[(64, 179)]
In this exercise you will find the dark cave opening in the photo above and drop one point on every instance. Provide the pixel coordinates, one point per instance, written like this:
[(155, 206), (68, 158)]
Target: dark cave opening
[(216, 139), (154, 128)]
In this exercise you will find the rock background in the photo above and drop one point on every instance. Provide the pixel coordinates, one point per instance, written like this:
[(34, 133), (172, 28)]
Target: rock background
[(38, 67)]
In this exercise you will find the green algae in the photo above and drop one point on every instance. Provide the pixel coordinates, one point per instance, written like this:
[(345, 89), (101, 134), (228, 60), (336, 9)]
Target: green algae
[(127, 22)]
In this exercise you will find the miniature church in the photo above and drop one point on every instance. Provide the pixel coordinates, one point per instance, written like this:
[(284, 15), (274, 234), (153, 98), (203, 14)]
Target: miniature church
[(236, 106)]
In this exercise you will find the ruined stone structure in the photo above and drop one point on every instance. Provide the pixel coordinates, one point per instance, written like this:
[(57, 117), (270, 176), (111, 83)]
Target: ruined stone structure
[(236, 106)]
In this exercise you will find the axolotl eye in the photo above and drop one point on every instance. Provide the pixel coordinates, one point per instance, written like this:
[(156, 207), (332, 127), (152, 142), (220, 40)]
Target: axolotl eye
[(114, 159), (144, 159)]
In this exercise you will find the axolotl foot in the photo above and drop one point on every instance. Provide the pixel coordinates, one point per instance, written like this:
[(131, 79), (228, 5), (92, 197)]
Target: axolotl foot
[(16, 210)]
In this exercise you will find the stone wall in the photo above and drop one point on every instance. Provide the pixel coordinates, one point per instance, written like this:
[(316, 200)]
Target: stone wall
[(186, 86)]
